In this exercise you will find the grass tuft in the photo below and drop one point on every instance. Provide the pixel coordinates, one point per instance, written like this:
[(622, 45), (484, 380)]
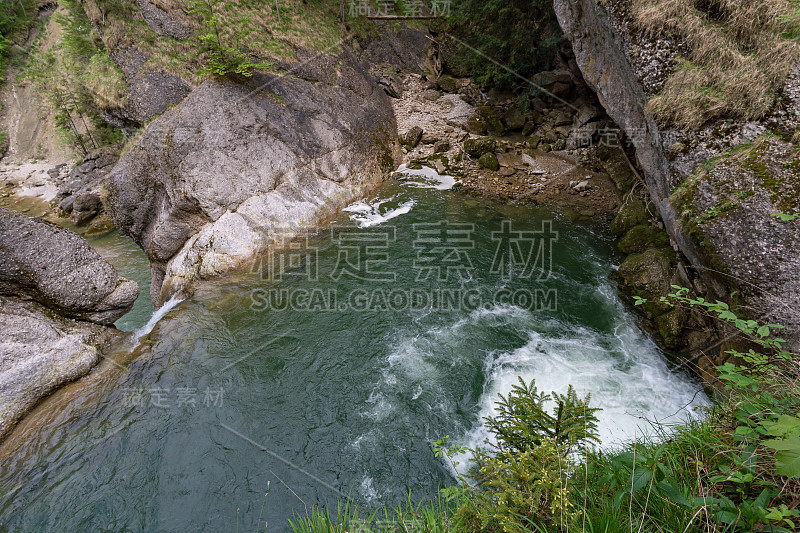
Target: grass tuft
[(739, 56)]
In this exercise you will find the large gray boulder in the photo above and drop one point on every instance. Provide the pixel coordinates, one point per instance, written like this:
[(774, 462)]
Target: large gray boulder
[(40, 351), (59, 269), (216, 180)]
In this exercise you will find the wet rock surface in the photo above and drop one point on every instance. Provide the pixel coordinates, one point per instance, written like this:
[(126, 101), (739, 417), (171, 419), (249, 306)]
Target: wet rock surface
[(40, 351), (235, 168), (57, 299), (59, 269)]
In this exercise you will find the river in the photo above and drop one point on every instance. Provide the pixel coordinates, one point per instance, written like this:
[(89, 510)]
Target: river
[(328, 371)]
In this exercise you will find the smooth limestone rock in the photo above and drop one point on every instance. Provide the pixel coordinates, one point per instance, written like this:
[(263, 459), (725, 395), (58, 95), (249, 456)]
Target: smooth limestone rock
[(39, 352), (236, 168), (47, 275), (59, 269)]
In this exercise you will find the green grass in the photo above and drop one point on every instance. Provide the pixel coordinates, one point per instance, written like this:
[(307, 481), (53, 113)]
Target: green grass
[(718, 474), (428, 516)]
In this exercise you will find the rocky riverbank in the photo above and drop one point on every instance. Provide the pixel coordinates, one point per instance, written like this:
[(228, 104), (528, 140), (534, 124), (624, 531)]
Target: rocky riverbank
[(525, 157), (58, 301)]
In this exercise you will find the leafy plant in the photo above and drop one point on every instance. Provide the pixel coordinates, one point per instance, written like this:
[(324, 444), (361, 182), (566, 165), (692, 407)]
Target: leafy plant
[(523, 421), (523, 481), (502, 43), (221, 58), (750, 479)]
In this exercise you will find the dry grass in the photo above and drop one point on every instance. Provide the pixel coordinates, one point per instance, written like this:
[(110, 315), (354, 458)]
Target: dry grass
[(267, 28), (740, 54), (105, 82)]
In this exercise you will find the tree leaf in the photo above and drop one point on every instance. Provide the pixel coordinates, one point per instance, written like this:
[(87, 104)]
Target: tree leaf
[(784, 425), (641, 477), (787, 460)]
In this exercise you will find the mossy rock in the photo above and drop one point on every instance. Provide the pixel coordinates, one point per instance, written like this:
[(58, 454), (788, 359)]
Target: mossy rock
[(100, 225), (489, 160), (448, 84), (485, 120), (641, 237), (617, 167), (649, 275), (632, 213), (670, 325), (478, 147)]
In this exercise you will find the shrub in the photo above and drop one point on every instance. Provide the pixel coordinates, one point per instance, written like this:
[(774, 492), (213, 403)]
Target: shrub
[(221, 59), (502, 43)]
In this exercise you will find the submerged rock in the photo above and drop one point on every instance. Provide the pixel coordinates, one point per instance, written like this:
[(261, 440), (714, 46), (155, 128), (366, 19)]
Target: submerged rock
[(234, 168), (59, 269)]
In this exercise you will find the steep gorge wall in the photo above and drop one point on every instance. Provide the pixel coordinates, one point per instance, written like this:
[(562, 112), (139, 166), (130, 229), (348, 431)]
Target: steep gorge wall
[(237, 168), (735, 247), (601, 57)]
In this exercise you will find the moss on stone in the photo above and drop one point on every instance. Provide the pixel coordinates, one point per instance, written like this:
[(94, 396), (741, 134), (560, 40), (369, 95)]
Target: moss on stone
[(448, 84), (641, 237), (485, 120), (632, 213), (478, 147), (489, 161), (648, 275), (670, 326)]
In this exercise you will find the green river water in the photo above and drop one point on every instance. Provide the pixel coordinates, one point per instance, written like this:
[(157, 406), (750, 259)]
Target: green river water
[(330, 376)]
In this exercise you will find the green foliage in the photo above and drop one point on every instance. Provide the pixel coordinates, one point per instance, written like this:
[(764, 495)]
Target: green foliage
[(77, 77), (523, 482), (519, 491), (521, 38), (221, 58), (523, 422), (407, 517), (762, 402), (15, 16), (787, 218)]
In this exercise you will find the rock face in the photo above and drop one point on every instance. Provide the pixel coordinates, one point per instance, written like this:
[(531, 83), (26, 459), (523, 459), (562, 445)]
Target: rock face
[(40, 351), (150, 92), (738, 245), (235, 168), (48, 274), (58, 268)]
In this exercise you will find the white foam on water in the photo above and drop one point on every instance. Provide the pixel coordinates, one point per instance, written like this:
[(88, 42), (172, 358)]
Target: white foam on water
[(623, 371), (373, 212), (157, 315), (368, 491), (427, 178)]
